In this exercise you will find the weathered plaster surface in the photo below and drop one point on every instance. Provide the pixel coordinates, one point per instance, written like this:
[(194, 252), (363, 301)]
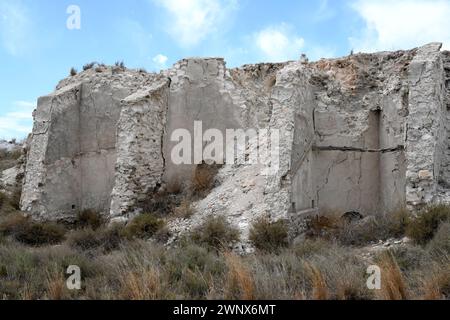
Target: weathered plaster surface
[(366, 133)]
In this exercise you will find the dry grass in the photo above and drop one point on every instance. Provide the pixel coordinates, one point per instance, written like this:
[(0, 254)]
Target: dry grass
[(184, 210), (436, 284), (393, 286), (9, 159), (239, 281), (89, 219), (116, 264), (143, 285), (269, 236), (424, 227), (216, 233), (56, 286), (203, 180), (143, 226), (30, 232), (319, 286)]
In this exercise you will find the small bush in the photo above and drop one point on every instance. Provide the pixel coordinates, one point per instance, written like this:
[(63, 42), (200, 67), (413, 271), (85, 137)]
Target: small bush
[(89, 66), (89, 218), (84, 239), (193, 257), (161, 203), (73, 72), (30, 232), (8, 204), (144, 226), (440, 244), (9, 159), (309, 248), (203, 179), (38, 234), (215, 232), (424, 227), (120, 64), (410, 257), (107, 239), (184, 210), (269, 236)]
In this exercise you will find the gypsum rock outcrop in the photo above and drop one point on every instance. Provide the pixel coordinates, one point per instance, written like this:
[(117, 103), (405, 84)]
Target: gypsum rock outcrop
[(366, 133)]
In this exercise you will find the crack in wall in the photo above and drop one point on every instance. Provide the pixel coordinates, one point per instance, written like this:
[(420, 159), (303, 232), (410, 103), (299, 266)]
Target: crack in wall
[(362, 150)]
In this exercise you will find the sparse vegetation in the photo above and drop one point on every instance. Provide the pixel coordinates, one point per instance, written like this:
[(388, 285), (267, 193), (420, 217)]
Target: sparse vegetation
[(216, 233), (144, 226), (118, 263), (424, 227), (73, 72), (203, 180), (89, 218), (106, 238), (9, 159), (89, 66), (32, 233), (120, 64), (269, 236)]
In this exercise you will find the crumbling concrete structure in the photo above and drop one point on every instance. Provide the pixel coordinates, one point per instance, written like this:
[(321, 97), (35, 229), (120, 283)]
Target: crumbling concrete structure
[(366, 133)]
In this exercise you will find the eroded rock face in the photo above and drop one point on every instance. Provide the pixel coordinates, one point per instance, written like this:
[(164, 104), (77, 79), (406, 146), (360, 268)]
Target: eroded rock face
[(366, 133)]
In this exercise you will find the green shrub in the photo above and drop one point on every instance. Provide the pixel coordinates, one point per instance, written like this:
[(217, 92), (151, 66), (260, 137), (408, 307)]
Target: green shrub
[(440, 244), (107, 239), (424, 227), (73, 72), (120, 64), (89, 219), (410, 257), (308, 247), (203, 179), (7, 204), (9, 159), (84, 239), (215, 232), (30, 232), (192, 257), (89, 66), (38, 234), (144, 226), (269, 236)]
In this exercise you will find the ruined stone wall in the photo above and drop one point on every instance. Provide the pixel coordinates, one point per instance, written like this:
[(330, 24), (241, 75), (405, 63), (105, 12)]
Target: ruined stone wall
[(425, 136), (140, 162), (72, 157), (366, 133)]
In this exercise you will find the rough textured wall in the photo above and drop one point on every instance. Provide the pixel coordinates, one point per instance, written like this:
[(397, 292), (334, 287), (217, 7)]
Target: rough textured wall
[(366, 133), (425, 129), (140, 161), (72, 157)]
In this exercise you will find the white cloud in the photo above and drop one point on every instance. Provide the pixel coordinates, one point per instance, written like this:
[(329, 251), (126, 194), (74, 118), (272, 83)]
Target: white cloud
[(401, 24), (17, 124), (15, 26), (278, 43), (191, 21), (160, 60)]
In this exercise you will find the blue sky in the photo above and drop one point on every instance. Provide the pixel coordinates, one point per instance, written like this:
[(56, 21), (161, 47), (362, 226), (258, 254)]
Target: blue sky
[(37, 49)]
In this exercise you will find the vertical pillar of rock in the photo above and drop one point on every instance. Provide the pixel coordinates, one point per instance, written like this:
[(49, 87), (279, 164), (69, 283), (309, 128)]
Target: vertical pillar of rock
[(51, 181), (140, 160), (287, 98), (424, 125)]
